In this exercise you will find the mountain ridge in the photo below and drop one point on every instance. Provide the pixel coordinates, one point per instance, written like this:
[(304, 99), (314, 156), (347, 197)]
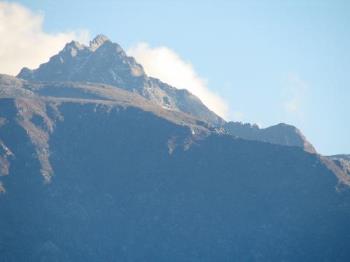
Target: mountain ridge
[(33, 100), (34, 106), (106, 62), (281, 134)]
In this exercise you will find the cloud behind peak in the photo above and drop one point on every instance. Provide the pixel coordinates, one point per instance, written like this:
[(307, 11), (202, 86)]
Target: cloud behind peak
[(164, 63), (24, 43)]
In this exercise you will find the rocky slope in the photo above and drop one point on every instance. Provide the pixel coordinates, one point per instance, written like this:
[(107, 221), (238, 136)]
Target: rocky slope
[(281, 134), (342, 161)]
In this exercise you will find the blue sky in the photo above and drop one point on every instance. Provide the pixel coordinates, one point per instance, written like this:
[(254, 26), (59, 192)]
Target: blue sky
[(272, 61)]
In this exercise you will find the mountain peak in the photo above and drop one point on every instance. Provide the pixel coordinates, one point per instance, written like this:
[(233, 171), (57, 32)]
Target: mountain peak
[(74, 44), (72, 48), (98, 41), (105, 62)]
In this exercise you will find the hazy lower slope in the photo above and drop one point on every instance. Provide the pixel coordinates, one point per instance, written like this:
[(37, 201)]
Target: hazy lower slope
[(128, 180)]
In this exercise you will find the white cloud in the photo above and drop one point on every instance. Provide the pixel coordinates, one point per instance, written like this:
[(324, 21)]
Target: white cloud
[(23, 41), (165, 64)]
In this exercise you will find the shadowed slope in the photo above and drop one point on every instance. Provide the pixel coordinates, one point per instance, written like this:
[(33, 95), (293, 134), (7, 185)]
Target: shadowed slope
[(119, 192)]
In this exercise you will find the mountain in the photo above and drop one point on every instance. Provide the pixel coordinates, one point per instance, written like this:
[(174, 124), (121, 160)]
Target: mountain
[(99, 162), (281, 134), (91, 172), (106, 62)]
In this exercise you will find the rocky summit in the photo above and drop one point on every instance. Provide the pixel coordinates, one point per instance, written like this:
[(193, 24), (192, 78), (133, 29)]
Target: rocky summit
[(106, 62)]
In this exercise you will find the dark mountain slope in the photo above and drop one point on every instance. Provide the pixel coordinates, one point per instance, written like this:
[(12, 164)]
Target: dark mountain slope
[(131, 184), (34, 107)]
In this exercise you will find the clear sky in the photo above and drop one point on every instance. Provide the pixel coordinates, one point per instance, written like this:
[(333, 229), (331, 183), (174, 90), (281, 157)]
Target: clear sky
[(272, 61)]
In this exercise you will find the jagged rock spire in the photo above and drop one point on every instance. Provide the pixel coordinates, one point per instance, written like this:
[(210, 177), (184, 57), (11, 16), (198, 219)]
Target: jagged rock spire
[(98, 41)]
